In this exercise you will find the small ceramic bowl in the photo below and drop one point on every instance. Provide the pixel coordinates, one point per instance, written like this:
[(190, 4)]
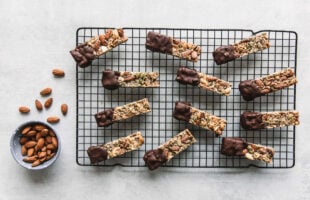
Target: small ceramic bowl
[(15, 147)]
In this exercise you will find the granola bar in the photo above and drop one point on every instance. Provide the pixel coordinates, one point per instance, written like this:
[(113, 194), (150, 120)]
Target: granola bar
[(85, 53), (239, 147), (224, 54), (113, 79), (115, 148), (256, 120), (184, 111), (211, 83), (165, 152), (168, 45), (250, 89), (109, 116)]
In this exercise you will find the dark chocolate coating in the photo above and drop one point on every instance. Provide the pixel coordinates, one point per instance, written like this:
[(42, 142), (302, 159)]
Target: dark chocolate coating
[(249, 90), (187, 76), (83, 55), (104, 118), (154, 158), (224, 54), (182, 111), (110, 79), (233, 146), (97, 154), (252, 120), (158, 43)]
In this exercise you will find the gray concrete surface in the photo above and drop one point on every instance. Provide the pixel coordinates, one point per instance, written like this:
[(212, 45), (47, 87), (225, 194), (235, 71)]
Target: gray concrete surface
[(36, 36)]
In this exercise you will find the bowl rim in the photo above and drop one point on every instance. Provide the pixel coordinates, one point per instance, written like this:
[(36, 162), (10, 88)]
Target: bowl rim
[(17, 131)]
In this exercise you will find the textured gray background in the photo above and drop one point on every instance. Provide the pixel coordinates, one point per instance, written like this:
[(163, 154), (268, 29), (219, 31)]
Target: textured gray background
[(36, 37)]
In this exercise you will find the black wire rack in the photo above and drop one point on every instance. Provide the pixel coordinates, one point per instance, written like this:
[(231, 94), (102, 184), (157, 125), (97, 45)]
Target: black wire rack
[(159, 125)]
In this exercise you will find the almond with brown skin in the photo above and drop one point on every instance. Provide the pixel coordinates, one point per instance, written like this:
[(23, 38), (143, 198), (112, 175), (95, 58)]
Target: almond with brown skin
[(39, 127), (42, 154), (30, 159), (64, 108), (48, 139), (58, 72), (24, 109), (54, 142), (50, 147), (53, 119), (43, 149), (25, 130), (23, 150), (36, 163), (30, 152), (40, 144), (38, 105), (44, 132), (31, 133), (38, 136), (23, 140), (48, 102), (30, 144), (50, 156), (51, 133), (46, 91), (48, 152)]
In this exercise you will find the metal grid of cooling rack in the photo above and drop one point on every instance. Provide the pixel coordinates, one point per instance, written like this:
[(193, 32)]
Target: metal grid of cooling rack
[(159, 125)]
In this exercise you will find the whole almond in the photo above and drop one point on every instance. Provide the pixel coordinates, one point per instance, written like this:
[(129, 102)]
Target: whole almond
[(42, 159), (53, 119), (38, 104), (64, 108), (40, 144), (50, 147), (23, 150), (58, 72), (39, 127), (31, 133), (42, 154), (23, 140), (26, 129), (54, 142), (36, 163), (43, 149), (50, 156), (48, 102), (30, 159), (24, 109), (46, 91), (51, 133), (48, 139), (30, 152), (30, 144), (44, 132), (38, 136)]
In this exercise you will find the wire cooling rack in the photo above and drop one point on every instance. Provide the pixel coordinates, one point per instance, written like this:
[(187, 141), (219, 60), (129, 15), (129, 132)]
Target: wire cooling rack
[(159, 125)]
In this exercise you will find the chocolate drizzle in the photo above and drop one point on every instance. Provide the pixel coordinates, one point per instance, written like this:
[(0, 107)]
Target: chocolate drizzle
[(83, 55), (110, 79), (158, 43), (105, 118), (224, 54), (233, 146), (154, 158), (249, 90), (97, 154), (182, 111), (187, 76), (252, 120)]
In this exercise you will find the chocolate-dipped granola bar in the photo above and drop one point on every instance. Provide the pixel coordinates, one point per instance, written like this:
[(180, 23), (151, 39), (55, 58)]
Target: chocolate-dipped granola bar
[(250, 89), (85, 53), (239, 147), (114, 79), (256, 120), (115, 148), (165, 152), (109, 116), (164, 44), (224, 54), (184, 111), (191, 76)]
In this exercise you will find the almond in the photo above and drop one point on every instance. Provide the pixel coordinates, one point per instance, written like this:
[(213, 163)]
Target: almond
[(50, 147), (58, 72), (23, 150), (54, 142), (46, 91), (48, 102), (24, 109), (38, 136), (48, 152), (48, 139), (23, 140), (30, 144), (64, 108), (30, 152), (31, 133), (44, 132), (44, 149), (30, 159), (40, 144), (42, 154), (53, 119), (51, 133), (38, 105), (25, 130), (50, 156), (36, 163), (42, 159), (39, 127)]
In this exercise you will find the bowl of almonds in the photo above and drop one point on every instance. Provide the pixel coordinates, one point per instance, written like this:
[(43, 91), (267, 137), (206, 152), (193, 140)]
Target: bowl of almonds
[(35, 145)]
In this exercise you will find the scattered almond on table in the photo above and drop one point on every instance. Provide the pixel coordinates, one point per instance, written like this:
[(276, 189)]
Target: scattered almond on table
[(52, 119), (46, 91), (48, 103), (24, 109), (64, 108), (58, 72), (38, 105)]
